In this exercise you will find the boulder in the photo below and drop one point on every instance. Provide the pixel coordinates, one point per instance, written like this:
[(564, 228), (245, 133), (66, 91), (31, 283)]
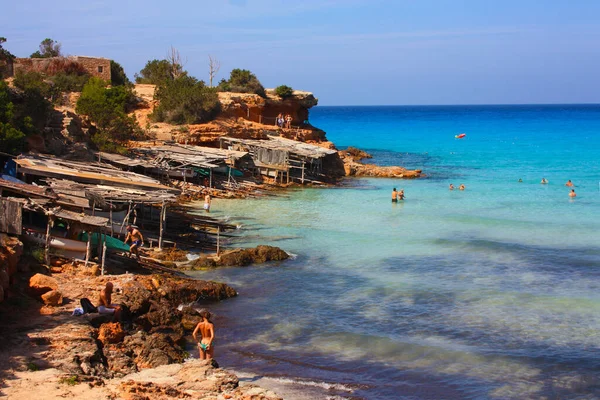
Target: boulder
[(270, 253), (40, 284), (258, 255), (111, 332), (153, 350), (52, 298)]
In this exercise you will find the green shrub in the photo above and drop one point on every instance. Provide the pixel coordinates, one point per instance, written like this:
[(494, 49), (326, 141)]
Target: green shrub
[(31, 366), (71, 381), (242, 81), (284, 91), (155, 72), (185, 100), (107, 108), (117, 75), (64, 82), (21, 114)]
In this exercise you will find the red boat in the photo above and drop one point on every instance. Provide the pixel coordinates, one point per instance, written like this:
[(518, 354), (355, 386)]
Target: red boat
[(460, 135)]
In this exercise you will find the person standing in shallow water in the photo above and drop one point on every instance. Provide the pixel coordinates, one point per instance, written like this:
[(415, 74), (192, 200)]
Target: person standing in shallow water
[(207, 335), (394, 196), (572, 193)]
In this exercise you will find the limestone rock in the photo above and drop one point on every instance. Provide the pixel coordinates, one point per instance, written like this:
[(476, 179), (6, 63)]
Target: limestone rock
[(111, 332), (40, 284), (197, 379), (52, 298), (153, 350), (11, 250)]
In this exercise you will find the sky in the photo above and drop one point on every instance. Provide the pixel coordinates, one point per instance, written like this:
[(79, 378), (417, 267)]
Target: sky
[(347, 52)]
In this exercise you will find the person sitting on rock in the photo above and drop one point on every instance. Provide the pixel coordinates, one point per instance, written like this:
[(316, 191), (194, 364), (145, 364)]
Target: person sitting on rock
[(105, 305), (207, 331)]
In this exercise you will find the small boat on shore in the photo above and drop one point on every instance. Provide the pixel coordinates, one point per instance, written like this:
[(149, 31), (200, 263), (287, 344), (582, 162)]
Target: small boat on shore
[(67, 247)]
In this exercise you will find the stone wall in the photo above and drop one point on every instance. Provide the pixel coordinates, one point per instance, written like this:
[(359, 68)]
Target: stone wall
[(99, 67), (95, 66)]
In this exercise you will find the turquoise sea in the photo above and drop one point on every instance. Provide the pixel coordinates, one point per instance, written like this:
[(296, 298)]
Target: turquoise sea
[(488, 293)]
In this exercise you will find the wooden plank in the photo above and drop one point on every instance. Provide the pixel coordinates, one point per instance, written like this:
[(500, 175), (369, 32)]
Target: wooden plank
[(11, 217)]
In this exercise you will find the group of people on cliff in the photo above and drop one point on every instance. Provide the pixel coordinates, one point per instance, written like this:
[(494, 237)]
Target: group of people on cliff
[(284, 122)]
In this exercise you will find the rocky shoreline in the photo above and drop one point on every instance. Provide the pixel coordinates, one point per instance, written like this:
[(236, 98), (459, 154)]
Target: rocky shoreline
[(47, 352)]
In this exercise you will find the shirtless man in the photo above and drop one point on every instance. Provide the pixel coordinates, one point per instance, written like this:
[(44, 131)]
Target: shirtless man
[(461, 187), (394, 196), (451, 187), (137, 240), (544, 181), (207, 332), (105, 305), (572, 193), (569, 183), (207, 202)]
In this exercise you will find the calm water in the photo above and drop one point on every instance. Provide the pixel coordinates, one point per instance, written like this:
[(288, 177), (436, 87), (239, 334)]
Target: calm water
[(490, 293)]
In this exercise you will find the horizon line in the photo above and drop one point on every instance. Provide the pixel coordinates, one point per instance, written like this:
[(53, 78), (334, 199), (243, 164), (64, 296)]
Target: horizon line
[(457, 105)]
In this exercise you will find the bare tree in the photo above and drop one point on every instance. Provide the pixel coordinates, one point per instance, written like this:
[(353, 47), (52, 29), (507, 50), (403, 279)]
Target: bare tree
[(174, 58), (213, 67)]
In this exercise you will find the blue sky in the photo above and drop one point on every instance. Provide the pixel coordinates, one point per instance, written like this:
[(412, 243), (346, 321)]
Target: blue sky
[(347, 52)]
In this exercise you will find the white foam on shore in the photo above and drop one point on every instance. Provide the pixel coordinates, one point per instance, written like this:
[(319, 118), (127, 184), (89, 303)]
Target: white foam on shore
[(293, 389)]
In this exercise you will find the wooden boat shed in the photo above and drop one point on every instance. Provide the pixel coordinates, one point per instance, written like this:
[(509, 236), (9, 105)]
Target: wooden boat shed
[(89, 186), (282, 158), (175, 156)]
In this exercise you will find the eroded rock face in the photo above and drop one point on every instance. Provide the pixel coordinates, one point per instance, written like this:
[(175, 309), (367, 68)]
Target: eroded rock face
[(40, 284), (111, 332), (153, 350), (11, 250)]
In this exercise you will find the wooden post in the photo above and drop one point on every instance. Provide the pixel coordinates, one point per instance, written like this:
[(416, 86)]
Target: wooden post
[(210, 180), (184, 181), (88, 250), (47, 248), (218, 239), (94, 207), (99, 246), (260, 119), (126, 219), (112, 232), (103, 253), (160, 234), (303, 162)]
